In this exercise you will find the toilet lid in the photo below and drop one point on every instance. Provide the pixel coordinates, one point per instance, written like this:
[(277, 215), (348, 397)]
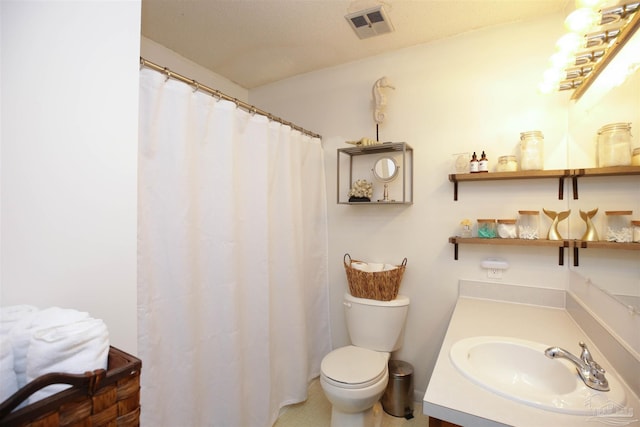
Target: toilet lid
[(354, 365)]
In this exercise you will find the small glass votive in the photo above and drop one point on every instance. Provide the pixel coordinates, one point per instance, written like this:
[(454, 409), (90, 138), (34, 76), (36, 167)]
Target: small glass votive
[(528, 224), (635, 224), (487, 228), (619, 226), (507, 229)]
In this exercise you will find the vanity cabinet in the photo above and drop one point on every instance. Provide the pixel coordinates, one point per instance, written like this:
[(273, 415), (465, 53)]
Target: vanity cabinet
[(359, 162), (575, 175)]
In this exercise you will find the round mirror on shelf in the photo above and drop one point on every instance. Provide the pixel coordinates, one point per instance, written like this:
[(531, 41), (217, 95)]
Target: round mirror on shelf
[(385, 169)]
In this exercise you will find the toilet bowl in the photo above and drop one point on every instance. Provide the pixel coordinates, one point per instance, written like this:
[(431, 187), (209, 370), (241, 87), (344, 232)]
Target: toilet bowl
[(354, 379)]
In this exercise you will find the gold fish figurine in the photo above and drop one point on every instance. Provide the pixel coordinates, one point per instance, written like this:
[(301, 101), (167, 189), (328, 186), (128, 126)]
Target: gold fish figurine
[(591, 234), (556, 217)]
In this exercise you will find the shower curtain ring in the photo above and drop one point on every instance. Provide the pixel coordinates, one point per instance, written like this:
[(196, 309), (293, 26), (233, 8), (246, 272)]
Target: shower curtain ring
[(196, 86), (168, 73)]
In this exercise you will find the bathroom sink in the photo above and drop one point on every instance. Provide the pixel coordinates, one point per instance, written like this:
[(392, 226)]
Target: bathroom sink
[(518, 370)]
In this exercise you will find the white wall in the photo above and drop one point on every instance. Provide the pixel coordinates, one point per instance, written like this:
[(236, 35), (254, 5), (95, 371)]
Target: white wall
[(472, 92), (69, 158)]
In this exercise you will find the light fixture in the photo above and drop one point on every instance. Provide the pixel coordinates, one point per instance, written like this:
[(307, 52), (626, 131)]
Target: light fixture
[(596, 34)]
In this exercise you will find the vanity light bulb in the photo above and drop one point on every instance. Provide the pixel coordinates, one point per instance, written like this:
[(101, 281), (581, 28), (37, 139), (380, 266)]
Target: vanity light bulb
[(561, 60), (570, 43), (547, 87), (553, 75), (580, 20)]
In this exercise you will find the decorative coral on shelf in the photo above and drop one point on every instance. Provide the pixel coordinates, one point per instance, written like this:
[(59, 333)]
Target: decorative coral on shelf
[(361, 191)]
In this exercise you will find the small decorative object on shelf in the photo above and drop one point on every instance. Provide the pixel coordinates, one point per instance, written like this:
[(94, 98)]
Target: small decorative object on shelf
[(466, 228), (619, 226), (364, 142), (487, 228), (591, 234), (361, 191), (556, 217)]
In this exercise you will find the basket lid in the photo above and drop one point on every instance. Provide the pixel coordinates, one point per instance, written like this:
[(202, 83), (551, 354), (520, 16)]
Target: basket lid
[(354, 365)]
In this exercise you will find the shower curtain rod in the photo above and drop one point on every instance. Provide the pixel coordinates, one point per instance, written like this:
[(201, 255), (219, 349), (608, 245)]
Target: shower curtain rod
[(248, 107)]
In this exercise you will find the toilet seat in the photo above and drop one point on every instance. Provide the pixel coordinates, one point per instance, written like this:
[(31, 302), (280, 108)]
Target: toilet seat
[(354, 367)]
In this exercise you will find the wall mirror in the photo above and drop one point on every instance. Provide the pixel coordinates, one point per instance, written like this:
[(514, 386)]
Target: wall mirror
[(606, 101), (385, 169)]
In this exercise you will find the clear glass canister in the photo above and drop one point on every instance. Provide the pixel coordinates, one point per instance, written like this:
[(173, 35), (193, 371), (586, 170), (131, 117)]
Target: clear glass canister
[(507, 164), (531, 150), (636, 230), (528, 224), (619, 226), (487, 228), (614, 145), (507, 229), (635, 157)]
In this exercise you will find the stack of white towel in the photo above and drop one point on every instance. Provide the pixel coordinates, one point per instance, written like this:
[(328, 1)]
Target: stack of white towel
[(36, 342)]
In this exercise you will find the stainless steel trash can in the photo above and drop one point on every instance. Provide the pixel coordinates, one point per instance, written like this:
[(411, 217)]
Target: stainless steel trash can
[(397, 399)]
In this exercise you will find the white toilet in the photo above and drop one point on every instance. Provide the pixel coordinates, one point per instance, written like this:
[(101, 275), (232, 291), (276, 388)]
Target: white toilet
[(354, 377)]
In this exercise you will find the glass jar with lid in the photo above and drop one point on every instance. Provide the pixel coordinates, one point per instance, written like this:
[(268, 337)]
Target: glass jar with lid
[(507, 164), (531, 150), (487, 228), (528, 224), (507, 229), (619, 226), (614, 145)]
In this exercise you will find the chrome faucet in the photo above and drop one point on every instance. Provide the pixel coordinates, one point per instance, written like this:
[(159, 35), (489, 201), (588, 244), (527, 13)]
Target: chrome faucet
[(591, 373)]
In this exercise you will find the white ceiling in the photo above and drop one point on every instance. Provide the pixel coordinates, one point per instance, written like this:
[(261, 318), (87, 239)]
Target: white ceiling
[(256, 42)]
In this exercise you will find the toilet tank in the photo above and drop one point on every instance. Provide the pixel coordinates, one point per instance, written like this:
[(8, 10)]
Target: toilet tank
[(376, 325)]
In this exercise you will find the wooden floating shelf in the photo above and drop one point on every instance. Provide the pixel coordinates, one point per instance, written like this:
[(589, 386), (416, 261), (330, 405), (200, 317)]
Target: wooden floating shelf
[(559, 174), (497, 176), (561, 244), (509, 242)]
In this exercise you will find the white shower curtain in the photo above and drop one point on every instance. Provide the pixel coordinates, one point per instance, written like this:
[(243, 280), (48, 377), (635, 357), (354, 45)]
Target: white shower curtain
[(232, 260)]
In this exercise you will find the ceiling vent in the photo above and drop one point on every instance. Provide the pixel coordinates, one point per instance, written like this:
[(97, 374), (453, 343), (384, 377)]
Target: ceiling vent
[(370, 22)]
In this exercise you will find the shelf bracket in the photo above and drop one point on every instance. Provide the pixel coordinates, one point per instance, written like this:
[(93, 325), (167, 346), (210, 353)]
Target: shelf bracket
[(576, 249), (455, 247), (561, 188), (574, 179), (453, 179)]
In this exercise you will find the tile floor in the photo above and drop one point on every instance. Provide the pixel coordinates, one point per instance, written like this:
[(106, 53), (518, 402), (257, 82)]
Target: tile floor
[(316, 412)]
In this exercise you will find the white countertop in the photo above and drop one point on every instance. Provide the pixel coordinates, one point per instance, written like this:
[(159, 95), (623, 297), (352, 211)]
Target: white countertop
[(452, 397)]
